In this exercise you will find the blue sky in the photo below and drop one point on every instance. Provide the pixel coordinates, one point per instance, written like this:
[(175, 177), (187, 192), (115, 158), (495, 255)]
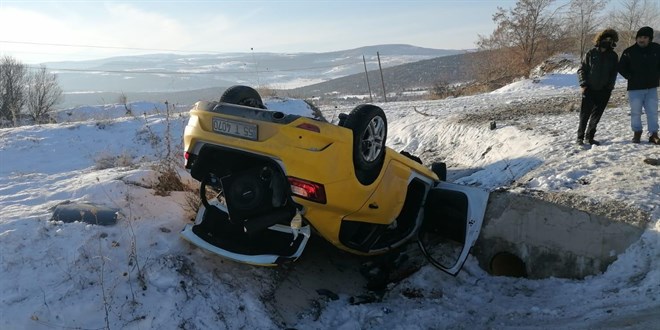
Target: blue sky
[(32, 30)]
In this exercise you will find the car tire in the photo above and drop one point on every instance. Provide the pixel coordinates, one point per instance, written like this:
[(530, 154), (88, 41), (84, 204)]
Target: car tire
[(242, 95), (369, 126)]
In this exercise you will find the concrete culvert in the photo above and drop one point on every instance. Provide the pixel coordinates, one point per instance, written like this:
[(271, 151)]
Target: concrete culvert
[(542, 235), (507, 264)]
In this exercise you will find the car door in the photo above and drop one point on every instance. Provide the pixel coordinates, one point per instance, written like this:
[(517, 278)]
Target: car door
[(453, 215)]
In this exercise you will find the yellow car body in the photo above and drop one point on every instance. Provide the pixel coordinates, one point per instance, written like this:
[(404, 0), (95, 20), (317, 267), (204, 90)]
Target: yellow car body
[(325, 196)]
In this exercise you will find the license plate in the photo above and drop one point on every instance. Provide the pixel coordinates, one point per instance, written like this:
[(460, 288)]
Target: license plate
[(235, 128)]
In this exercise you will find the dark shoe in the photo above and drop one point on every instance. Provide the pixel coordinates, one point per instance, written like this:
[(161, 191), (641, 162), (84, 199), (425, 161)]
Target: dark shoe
[(579, 142), (637, 137), (652, 161), (594, 142), (654, 139)]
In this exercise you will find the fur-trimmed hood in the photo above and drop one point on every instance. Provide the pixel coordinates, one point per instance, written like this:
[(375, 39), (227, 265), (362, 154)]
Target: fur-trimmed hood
[(606, 33)]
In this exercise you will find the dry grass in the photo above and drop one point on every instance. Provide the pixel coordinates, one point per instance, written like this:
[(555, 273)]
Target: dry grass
[(194, 201), (442, 91), (168, 181), (105, 161)]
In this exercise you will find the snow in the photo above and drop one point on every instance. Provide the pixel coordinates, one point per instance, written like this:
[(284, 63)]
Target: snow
[(139, 274)]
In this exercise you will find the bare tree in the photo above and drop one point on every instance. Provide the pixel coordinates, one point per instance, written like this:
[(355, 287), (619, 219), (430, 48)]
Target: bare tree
[(633, 15), (524, 29), (123, 100), (583, 19), (495, 68), (42, 95), (12, 88)]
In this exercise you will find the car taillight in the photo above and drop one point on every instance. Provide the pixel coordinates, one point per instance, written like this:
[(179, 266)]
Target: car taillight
[(309, 127), (309, 190), (189, 158)]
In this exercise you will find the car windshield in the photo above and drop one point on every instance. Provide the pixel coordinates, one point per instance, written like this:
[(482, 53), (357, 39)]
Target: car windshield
[(293, 107)]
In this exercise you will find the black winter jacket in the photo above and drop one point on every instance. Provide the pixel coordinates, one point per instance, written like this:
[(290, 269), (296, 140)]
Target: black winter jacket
[(641, 66), (598, 69)]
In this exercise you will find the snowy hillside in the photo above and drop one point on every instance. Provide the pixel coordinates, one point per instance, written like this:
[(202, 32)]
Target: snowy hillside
[(139, 274)]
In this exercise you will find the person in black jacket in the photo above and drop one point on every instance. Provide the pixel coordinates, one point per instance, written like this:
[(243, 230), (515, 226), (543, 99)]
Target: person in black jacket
[(640, 64), (597, 74)]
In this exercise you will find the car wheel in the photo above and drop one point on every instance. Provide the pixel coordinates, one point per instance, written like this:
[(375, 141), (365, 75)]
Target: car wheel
[(369, 127), (242, 95)]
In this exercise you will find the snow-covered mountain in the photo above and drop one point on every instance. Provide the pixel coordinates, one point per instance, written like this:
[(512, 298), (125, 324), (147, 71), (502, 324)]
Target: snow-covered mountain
[(174, 72)]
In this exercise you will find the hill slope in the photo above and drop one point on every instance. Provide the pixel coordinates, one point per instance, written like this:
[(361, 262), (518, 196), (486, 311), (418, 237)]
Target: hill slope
[(421, 74), (398, 77)]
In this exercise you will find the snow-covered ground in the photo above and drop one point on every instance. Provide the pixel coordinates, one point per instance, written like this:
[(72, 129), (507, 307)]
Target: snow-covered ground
[(138, 274)]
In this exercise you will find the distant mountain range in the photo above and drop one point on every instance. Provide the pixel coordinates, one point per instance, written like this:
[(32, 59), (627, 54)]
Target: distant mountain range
[(187, 78)]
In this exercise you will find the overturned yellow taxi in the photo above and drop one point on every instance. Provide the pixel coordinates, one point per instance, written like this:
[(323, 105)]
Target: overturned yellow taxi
[(270, 179)]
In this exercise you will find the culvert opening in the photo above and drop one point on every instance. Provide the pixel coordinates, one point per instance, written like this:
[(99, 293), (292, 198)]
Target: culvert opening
[(507, 264), (539, 235)]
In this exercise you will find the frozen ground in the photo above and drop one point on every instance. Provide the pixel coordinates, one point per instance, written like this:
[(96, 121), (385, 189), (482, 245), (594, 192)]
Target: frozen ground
[(139, 274)]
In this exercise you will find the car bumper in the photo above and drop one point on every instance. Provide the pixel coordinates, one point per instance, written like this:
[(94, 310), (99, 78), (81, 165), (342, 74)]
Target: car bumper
[(276, 245)]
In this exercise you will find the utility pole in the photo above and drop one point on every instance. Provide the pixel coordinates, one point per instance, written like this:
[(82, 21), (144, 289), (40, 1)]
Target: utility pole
[(371, 99), (381, 76)]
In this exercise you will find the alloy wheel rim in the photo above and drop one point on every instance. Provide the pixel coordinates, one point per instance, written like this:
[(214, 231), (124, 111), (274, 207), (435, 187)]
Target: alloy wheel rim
[(372, 139)]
